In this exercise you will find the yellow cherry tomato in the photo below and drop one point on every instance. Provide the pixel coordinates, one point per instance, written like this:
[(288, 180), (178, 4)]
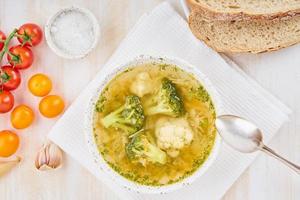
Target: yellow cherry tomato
[(21, 117), (9, 143), (51, 106), (39, 85)]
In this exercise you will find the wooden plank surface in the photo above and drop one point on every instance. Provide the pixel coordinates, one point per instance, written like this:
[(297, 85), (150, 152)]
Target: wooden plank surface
[(265, 178)]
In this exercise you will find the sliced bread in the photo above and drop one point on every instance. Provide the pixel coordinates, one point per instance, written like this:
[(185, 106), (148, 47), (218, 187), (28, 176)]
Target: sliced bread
[(245, 35), (246, 9)]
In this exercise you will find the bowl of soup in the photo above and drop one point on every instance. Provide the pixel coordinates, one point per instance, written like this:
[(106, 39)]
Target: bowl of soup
[(150, 125)]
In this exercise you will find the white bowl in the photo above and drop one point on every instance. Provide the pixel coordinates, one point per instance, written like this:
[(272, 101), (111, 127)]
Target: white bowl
[(102, 164), (60, 52)]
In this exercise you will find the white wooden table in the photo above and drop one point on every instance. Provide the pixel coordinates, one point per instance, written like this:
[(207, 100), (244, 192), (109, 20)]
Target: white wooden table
[(265, 178)]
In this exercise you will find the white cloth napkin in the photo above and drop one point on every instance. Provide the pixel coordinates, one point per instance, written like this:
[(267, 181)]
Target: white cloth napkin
[(164, 32)]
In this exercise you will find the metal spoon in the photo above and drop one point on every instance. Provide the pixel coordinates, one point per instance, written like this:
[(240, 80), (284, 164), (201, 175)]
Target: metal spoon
[(245, 137)]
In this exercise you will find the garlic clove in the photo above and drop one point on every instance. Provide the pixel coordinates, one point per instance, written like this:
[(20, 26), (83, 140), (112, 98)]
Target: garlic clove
[(54, 160), (6, 166), (48, 157)]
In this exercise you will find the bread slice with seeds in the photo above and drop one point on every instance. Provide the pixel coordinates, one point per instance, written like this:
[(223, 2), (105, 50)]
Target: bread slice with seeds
[(253, 36)]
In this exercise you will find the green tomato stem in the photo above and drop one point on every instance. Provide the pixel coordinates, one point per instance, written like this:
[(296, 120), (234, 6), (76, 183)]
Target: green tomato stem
[(6, 43)]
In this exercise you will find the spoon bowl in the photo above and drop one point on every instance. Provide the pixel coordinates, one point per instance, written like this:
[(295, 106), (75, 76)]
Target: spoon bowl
[(246, 137), (239, 133)]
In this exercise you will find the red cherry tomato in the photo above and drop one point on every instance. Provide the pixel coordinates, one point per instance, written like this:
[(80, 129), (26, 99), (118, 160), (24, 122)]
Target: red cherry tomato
[(6, 101), (10, 77), (30, 34), (20, 57), (2, 39)]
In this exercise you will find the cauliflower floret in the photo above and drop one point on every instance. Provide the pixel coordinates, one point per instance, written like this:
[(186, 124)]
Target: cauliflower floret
[(142, 84), (173, 134)]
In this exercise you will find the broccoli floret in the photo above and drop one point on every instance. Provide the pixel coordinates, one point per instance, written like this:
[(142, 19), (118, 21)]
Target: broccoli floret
[(166, 101), (129, 117), (139, 149)]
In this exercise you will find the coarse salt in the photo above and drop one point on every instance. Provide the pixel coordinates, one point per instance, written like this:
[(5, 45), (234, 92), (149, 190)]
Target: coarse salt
[(72, 32)]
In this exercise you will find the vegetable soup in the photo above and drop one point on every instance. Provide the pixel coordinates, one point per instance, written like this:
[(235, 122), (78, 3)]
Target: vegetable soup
[(154, 124)]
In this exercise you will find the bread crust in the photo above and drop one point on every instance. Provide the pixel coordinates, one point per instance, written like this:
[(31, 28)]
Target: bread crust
[(234, 49), (239, 15)]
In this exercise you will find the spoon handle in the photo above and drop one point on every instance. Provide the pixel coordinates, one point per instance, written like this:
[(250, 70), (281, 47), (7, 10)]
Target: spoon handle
[(272, 153)]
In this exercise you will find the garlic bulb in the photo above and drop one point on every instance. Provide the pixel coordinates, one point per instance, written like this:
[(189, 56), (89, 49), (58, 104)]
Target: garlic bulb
[(48, 157), (7, 165)]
